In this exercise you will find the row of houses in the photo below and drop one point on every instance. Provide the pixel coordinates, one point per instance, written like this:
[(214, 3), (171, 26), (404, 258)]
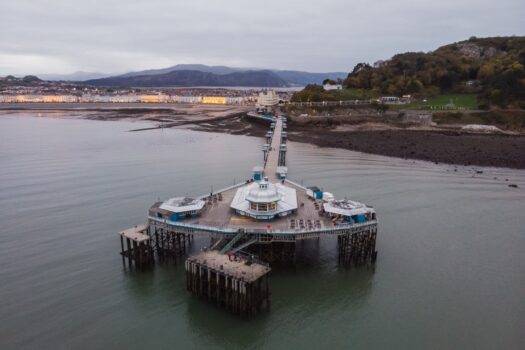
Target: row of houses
[(158, 98)]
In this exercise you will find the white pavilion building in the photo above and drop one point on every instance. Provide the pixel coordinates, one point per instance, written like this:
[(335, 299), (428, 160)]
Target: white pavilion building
[(263, 200)]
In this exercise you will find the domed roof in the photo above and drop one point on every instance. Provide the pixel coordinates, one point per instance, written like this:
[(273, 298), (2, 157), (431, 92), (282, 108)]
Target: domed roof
[(263, 192)]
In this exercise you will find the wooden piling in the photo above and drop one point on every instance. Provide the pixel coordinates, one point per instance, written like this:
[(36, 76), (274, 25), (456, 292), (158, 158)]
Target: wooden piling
[(139, 251), (357, 248), (241, 293)]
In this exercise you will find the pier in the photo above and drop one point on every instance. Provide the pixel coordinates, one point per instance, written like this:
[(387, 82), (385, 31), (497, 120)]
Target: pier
[(277, 153), (138, 251), (250, 225), (239, 285)]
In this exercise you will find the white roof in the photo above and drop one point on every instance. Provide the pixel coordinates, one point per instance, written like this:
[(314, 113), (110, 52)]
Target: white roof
[(287, 201), (346, 207), (182, 204), (264, 192)]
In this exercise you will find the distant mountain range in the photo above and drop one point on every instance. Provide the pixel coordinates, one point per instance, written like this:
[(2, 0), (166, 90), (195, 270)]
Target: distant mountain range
[(76, 76), (196, 67), (202, 75), (193, 78)]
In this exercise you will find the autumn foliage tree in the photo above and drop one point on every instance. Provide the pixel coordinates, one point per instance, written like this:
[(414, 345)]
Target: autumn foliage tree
[(491, 67)]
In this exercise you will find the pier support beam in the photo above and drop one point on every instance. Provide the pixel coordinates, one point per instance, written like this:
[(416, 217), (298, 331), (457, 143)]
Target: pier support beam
[(275, 252), (169, 244), (138, 251), (357, 248), (235, 286)]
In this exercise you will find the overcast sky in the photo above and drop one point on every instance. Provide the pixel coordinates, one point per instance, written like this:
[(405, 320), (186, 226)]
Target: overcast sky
[(62, 36)]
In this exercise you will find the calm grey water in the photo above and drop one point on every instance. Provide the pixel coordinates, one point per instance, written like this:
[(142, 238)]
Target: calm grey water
[(450, 271)]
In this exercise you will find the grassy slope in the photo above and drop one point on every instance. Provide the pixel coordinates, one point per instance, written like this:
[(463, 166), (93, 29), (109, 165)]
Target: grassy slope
[(353, 94), (459, 101)]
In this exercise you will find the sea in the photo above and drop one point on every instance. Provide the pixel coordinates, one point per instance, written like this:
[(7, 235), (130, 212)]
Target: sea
[(450, 272)]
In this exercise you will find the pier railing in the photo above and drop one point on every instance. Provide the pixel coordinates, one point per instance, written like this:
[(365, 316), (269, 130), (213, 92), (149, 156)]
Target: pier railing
[(223, 190), (285, 235), (334, 103), (295, 184)]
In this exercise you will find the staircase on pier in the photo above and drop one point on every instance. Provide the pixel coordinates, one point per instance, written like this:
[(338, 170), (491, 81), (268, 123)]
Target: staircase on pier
[(231, 243)]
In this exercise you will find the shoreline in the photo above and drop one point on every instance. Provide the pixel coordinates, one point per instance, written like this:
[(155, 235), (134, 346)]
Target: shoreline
[(438, 146), (433, 146)]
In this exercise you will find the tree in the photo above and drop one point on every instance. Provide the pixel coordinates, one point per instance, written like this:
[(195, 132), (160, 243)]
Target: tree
[(312, 93), (414, 86), (360, 67)]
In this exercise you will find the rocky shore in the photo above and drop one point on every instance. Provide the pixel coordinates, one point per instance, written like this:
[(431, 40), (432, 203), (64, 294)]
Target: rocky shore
[(440, 146), (363, 135)]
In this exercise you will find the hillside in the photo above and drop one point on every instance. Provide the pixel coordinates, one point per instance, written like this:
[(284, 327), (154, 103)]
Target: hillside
[(194, 67), (291, 77), (493, 68), (304, 78), (76, 76), (193, 78), (28, 80)]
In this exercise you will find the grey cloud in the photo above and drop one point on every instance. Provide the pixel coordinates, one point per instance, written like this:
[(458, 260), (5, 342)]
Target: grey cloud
[(119, 35)]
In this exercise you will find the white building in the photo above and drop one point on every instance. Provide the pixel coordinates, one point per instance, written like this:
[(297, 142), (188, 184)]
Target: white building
[(390, 100), (267, 99), (353, 212), (330, 87), (263, 200), (182, 207)]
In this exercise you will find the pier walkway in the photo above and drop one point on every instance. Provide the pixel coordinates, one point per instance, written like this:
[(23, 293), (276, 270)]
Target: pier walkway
[(250, 223), (272, 162), (217, 219)]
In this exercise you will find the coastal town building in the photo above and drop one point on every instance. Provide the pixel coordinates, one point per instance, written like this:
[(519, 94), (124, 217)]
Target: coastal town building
[(389, 99), (67, 92), (220, 100), (332, 87), (267, 99), (38, 98)]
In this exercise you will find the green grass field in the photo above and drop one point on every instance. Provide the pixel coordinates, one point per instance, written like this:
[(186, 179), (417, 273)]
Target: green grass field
[(353, 94), (439, 102), (457, 101)]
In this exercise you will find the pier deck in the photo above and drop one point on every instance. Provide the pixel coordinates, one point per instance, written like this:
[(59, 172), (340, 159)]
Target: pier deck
[(219, 214), (272, 162), (236, 269), (137, 233), (138, 250), (237, 286), (249, 224)]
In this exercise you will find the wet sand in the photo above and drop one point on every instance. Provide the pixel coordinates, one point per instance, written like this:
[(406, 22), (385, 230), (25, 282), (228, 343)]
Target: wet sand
[(436, 146), (163, 115), (440, 146)]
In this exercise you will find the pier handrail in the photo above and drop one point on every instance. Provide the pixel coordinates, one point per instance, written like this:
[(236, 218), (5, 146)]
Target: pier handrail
[(223, 189), (295, 184), (232, 242), (220, 230), (194, 226)]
